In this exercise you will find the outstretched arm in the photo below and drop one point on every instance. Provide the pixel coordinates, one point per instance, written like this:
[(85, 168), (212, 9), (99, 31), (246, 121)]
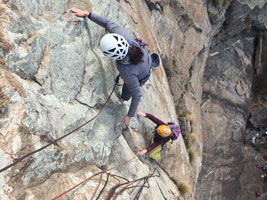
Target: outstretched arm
[(80, 13), (101, 21), (134, 89), (151, 117), (153, 146), (141, 152)]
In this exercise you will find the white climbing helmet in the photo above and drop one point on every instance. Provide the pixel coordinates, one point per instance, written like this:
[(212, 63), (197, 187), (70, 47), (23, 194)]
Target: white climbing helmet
[(114, 46)]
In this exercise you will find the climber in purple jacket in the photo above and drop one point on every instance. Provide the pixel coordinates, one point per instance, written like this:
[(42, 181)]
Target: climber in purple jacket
[(164, 132), (132, 61), (162, 129)]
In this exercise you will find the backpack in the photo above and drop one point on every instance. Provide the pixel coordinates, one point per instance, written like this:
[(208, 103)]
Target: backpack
[(156, 153), (175, 129), (154, 56)]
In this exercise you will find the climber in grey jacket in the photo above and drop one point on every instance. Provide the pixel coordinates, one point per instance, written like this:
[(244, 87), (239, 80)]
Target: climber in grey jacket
[(132, 61)]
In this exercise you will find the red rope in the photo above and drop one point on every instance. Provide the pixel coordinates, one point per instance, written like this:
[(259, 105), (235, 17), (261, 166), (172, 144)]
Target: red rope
[(114, 177), (145, 178), (136, 196), (103, 188), (101, 172), (53, 142), (100, 179), (119, 192), (112, 191), (75, 186)]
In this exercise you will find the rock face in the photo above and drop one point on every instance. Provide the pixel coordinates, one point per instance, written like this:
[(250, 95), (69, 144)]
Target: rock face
[(54, 78), (228, 168)]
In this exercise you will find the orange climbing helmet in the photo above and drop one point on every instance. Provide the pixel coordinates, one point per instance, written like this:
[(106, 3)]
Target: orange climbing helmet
[(164, 130)]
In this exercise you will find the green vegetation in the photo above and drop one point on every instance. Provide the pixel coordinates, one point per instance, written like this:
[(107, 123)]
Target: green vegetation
[(220, 36), (180, 112), (184, 188), (191, 117), (220, 3), (187, 143), (192, 155), (193, 138)]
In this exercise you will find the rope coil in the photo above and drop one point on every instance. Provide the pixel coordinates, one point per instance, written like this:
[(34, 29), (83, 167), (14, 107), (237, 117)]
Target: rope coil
[(112, 194), (101, 172)]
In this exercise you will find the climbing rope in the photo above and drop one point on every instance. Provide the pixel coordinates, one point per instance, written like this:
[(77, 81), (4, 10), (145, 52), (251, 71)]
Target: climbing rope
[(101, 172), (112, 191), (60, 138), (102, 190), (99, 182)]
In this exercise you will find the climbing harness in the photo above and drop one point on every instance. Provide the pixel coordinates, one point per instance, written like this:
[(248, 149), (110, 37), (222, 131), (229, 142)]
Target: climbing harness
[(60, 138)]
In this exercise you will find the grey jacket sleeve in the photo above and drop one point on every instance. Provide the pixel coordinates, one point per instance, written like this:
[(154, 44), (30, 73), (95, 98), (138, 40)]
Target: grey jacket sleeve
[(133, 86), (110, 26)]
